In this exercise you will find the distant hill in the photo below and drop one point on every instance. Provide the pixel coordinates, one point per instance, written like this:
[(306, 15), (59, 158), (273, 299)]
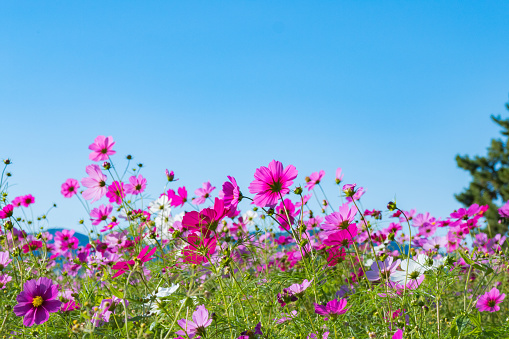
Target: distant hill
[(83, 239)]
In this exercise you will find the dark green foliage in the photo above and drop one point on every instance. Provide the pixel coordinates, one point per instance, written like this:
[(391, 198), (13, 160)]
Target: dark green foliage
[(490, 177)]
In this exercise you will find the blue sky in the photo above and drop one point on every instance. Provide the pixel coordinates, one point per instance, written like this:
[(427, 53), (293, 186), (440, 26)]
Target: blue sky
[(389, 91)]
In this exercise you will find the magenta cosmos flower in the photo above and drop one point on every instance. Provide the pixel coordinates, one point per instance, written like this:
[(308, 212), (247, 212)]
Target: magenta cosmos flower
[(489, 301), (333, 307), (116, 192), (101, 148), (314, 179), (7, 211), (197, 326), (37, 300), (70, 188), (271, 183), (136, 185), (100, 213), (231, 193), (124, 266), (203, 193), (95, 183), (340, 220)]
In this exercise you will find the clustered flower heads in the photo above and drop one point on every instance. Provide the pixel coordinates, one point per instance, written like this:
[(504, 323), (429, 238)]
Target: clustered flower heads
[(282, 261)]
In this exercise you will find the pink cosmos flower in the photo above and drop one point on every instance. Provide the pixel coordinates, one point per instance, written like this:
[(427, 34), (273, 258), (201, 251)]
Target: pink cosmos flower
[(197, 326), (231, 192), (300, 288), (70, 188), (105, 310), (27, 200), (203, 193), (100, 213), (398, 334), (339, 176), (124, 266), (34, 245), (170, 176), (108, 227), (287, 317), (333, 307), (136, 185), (342, 237), (101, 148), (96, 183), (17, 202), (286, 214), (207, 220), (271, 183), (37, 301), (4, 260), (490, 300), (199, 249), (177, 200), (4, 279), (314, 179), (7, 211), (336, 254), (357, 195), (341, 219), (116, 192)]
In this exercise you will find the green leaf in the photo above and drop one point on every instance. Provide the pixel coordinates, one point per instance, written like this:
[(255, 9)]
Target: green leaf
[(466, 258), (116, 292)]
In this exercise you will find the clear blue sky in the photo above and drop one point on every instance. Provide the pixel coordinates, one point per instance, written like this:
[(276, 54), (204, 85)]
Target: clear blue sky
[(390, 91)]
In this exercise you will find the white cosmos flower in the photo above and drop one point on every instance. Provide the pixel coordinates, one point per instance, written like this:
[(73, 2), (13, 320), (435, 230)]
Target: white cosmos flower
[(416, 267), (249, 217), (155, 306), (160, 206)]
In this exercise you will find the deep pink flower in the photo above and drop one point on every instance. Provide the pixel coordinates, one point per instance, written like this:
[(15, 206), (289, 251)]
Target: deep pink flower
[(124, 266), (203, 193), (199, 249), (207, 220), (96, 183), (17, 202), (271, 183), (490, 300), (314, 179), (116, 192), (27, 200), (398, 334), (286, 214), (231, 192), (34, 245), (170, 176), (100, 213), (333, 307), (336, 254), (70, 188), (7, 211), (197, 326), (37, 301), (177, 200), (136, 185), (342, 237), (101, 148)]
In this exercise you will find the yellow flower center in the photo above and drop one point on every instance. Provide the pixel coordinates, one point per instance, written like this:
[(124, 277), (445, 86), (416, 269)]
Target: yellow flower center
[(37, 301)]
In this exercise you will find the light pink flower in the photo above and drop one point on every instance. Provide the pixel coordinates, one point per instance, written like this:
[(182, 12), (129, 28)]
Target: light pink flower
[(271, 183), (101, 148), (314, 179), (333, 307), (96, 183), (203, 193), (197, 326), (136, 185)]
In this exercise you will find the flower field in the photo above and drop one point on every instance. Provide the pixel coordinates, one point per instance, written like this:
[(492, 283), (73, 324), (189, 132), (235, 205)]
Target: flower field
[(293, 265)]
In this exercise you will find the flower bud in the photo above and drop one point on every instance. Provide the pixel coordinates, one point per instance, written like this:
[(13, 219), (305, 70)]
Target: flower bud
[(106, 165), (298, 190), (391, 206)]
